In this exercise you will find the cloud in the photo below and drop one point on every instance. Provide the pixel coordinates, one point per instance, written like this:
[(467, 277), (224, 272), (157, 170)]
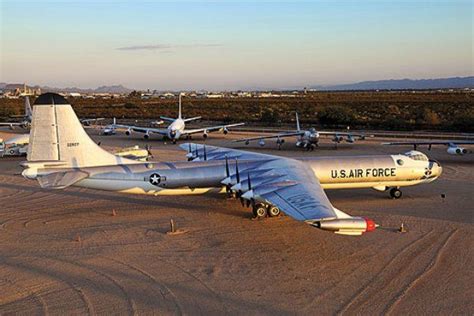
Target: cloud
[(164, 47)]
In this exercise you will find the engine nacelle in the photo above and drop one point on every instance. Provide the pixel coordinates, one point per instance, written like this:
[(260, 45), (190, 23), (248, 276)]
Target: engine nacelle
[(350, 139), (261, 143), (128, 132), (225, 131), (247, 142), (347, 226), (204, 135), (456, 150), (337, 139), (146, 136), (280, 141)]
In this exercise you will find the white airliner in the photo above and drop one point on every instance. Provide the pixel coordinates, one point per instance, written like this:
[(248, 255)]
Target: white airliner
[(177, 128), (25, 119), (307, 139), (453, 145), (61, 154)]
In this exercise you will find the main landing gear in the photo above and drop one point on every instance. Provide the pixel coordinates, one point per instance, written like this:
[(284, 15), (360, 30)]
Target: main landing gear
[(395, 193), (261, 210)]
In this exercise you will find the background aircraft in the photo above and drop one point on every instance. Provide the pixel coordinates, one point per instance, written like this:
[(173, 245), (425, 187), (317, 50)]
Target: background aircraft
[(453, 145), (25, 119), (176, 129), (61, 154), (307, 139)]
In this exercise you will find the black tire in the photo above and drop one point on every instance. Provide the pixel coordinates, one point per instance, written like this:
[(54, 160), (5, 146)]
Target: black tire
[(273, 211), (260, 211), (395, 193)]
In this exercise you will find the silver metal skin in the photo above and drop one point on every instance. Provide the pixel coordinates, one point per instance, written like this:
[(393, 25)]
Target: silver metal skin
[(453, 145), (307, 139), (61, 154), (176, 129)]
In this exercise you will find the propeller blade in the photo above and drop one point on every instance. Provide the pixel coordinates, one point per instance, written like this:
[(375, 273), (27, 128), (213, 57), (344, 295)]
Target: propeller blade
[(227, 171), (237, 174), (248, 178), (205, 153), (189, 149)]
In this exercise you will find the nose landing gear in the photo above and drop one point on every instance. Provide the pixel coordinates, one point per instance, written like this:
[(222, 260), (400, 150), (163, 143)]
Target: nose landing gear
[(395, 193)]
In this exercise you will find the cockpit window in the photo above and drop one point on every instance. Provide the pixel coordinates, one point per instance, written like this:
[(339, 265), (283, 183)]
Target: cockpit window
[(416, 155)]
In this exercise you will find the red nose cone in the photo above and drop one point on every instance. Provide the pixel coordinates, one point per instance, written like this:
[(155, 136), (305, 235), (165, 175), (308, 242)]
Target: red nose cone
[(370, 225)]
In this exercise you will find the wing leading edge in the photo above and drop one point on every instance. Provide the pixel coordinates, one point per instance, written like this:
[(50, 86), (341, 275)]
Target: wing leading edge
[(290, 185)]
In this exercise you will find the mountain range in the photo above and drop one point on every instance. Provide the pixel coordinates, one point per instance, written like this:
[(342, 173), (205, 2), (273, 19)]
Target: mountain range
[(392, 84), (404, 84)]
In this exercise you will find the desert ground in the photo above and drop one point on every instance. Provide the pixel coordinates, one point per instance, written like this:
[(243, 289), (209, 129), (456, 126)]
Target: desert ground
[(79, 251)]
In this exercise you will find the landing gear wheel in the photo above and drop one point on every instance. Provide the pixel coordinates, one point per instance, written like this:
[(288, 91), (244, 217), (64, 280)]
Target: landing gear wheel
[(273, 211), (259, 211), (395, 193)]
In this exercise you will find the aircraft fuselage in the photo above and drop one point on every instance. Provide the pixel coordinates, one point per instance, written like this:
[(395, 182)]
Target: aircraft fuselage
[(378, 172)]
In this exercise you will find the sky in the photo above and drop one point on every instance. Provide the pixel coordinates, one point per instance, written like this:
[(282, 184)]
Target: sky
[(229, 45)]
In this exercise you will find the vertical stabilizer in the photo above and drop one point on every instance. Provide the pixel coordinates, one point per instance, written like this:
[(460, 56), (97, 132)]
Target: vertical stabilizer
[(57, 135), (297, 123), (28, 112), (179, 111)]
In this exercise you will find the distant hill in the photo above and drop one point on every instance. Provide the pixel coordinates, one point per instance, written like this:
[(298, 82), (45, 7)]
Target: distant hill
[(102, 89), (405, 84)]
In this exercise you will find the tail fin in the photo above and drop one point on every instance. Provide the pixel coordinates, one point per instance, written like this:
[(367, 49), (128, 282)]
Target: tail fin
[(179, 111), (57, 135), (297, 123), (28, 112)]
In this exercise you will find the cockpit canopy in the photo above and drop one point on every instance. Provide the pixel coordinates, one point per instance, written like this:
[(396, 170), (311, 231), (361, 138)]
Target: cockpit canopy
[(416, 155)]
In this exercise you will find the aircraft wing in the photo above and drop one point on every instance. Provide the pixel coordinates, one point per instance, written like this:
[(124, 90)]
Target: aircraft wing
[(292, 186), (433, 142), (209, 129), (285, 183), (89, 121), (140, 129), (281, 135), (10, 124), (340, 133)]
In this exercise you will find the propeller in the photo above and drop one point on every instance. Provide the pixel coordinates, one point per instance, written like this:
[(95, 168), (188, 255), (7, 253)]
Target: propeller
[(190, 155), (205, 153), (227, 174), (148, 149), (252, 200)]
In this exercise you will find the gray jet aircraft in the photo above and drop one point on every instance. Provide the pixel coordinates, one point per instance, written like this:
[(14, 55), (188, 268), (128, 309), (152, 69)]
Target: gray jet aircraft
[(306, 139)]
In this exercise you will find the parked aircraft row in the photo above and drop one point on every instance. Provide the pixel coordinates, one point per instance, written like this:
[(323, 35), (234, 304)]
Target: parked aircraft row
[(61, 154), (175, 130)]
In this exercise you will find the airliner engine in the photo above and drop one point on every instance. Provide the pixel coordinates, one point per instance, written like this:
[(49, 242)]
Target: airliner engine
[(456, 150)]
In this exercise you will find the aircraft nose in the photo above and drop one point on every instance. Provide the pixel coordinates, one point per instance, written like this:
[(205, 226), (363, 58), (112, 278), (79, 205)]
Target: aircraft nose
[(436, 169)]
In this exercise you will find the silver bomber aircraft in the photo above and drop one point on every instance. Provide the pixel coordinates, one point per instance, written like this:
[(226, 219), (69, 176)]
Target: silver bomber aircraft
[(306, 139), (453, 145), (61, 154), (25, 119), (176, 129)]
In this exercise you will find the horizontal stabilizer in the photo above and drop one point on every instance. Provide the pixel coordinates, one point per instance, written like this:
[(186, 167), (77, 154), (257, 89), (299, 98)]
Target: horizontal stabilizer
[(61, 180)]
